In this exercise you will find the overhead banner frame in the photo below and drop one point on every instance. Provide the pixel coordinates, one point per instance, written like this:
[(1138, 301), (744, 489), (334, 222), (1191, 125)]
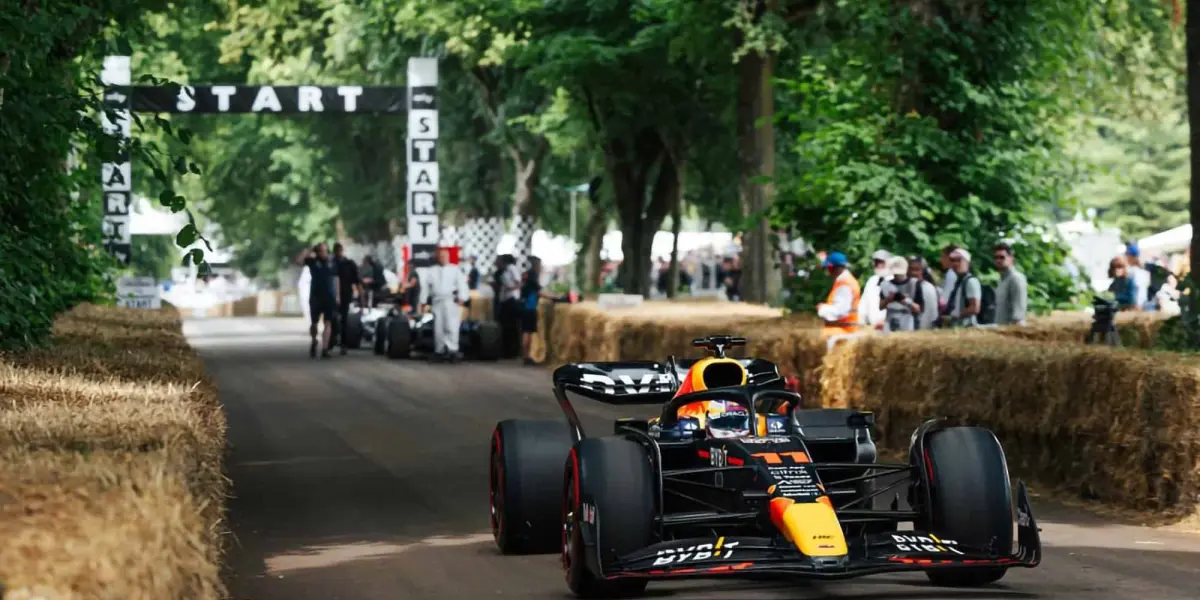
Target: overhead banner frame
[(123, 98)]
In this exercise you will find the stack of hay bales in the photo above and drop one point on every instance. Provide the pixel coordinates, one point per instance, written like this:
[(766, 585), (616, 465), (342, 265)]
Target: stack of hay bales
[(1121, 426), (1118, 426), (111, 440)]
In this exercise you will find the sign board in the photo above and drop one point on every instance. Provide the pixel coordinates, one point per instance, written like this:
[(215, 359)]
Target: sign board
[(279, 99), (138, 292), (611, 301), (116, 178), (424, 230)]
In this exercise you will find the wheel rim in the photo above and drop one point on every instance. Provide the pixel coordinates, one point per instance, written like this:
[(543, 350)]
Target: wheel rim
[(568, 521), (496, 492)]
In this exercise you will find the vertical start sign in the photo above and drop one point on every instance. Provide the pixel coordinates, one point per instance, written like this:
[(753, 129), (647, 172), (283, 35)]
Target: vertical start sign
[(424, 230), (116, 178)]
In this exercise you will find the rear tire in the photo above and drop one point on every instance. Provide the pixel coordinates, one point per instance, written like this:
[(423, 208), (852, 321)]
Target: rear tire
[(489, 341), (612, 474), (525, 484), (352, 331), (381, 329), (971, 499), (399, 334)]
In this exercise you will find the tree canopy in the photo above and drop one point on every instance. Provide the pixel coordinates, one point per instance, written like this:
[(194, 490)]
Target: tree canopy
[(902, 125)]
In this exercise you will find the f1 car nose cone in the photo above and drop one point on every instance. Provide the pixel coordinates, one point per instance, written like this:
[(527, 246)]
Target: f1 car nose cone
[(812, 526)]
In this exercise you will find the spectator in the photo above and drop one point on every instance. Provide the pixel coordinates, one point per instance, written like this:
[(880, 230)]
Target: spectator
[(919, 270), (840, 309), (373, 280), (871, 313), (509, 297), (1139, 275), (663, 280), (732, 277), (966, 297), (949, 280), (1123, 287), (901, 298), (531, 294), (1012, 294), (472, 275), (348, 284)]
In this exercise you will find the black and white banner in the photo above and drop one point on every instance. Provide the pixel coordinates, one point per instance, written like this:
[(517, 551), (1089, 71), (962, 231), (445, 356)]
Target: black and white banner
[(424, 231), (116, 178), (281, 99)]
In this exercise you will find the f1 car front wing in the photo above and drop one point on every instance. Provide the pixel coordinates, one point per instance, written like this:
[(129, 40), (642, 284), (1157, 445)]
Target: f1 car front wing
[(879, 553)]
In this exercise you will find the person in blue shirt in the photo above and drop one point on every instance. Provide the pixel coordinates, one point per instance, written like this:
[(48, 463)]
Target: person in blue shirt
[(1123, 287), (323, 295), (531, 294)]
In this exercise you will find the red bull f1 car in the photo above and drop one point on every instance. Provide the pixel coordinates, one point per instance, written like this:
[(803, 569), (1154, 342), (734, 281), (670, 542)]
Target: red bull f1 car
[(737, 478)]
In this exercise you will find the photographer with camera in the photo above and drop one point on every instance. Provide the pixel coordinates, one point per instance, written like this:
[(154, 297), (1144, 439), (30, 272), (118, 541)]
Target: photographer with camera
[(910, 301)]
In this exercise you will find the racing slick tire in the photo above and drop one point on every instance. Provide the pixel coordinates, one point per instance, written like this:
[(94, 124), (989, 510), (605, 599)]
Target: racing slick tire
[(614, 477), (971, 498), (525, 485), (381, 328), (489, 341), (399, 335), (352, 331)]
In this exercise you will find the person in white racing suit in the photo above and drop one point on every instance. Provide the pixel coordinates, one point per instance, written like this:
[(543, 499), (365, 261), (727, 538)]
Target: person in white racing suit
[(446, 291)]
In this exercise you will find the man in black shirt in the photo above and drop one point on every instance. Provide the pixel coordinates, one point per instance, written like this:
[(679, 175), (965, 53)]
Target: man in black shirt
[(348, 283), (322, 296)]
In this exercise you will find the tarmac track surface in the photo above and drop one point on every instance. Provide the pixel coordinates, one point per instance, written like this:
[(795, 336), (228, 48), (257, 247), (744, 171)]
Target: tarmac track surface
[(363, 478)]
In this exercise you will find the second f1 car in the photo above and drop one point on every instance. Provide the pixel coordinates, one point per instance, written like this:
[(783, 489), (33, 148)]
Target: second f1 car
[(736, 478)]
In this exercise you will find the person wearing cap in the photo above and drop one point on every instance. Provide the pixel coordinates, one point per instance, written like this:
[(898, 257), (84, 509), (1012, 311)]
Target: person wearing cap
[(903, 297), (446, 291), (1138, 273), (967, 295), (840, 309), (872, 312)]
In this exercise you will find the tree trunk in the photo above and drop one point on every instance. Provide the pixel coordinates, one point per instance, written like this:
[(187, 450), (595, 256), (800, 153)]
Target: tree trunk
[(756, 149), (676, 227), (527, 175), (1193, 101), (593, 237)]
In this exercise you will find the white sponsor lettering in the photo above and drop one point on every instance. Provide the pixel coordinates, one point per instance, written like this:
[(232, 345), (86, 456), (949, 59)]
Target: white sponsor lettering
[(350, 94), (223, 93), (698, 552), (308, 99), (186, 100), (923, 543), (266, 99)]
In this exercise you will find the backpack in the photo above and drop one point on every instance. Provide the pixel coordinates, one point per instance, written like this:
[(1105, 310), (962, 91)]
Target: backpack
[(987, 300)]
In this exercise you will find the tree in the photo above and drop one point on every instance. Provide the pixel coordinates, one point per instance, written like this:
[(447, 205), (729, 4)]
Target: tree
[(921, 127), (1138, 173)]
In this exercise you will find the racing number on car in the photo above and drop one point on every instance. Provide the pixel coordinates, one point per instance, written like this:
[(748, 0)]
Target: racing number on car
[(719, 457), (778, 458)]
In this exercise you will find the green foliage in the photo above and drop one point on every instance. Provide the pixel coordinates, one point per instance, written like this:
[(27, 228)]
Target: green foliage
[(1139, 173), (51, 251), (154, 256), (915, 131)]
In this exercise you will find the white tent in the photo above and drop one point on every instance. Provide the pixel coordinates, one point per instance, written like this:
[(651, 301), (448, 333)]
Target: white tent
[(1166, 242)]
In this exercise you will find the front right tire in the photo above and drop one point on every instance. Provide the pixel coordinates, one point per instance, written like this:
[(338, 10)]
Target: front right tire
[(971, 499)]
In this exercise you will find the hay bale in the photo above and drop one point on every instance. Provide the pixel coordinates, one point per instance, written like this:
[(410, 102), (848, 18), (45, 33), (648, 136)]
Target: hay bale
[(1118, 426), (1137, 329), (102, 525), (122, 384)]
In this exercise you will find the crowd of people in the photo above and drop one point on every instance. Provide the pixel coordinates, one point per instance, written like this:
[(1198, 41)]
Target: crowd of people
[(904, 293), (1142, 286), (445, 289)]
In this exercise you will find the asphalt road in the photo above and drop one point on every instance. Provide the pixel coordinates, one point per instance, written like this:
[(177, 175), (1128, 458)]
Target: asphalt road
[(362, 478)]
